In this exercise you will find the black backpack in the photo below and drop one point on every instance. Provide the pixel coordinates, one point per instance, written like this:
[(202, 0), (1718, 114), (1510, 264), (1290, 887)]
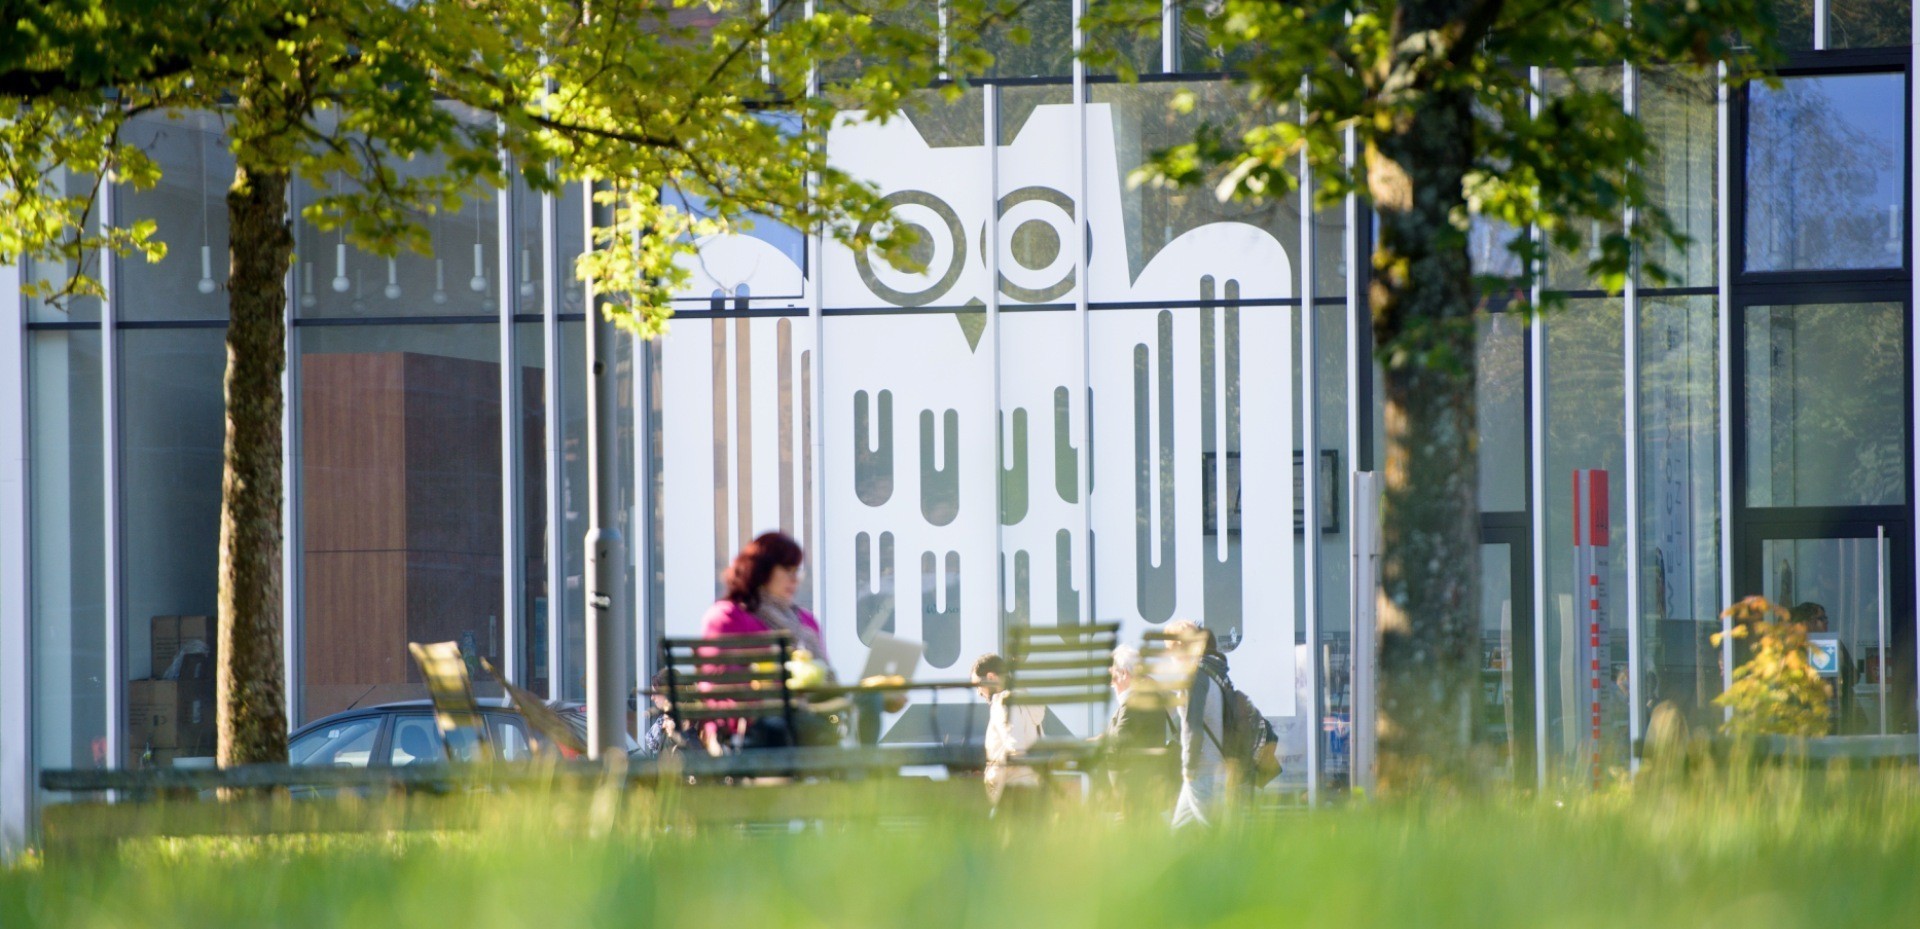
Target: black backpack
[(1247, 743)]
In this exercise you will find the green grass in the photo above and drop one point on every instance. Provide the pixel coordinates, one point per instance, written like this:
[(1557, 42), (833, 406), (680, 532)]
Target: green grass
[(1761, 850)]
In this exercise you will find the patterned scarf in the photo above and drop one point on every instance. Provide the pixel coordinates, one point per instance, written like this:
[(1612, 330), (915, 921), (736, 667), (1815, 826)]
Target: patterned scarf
[(780, 616)]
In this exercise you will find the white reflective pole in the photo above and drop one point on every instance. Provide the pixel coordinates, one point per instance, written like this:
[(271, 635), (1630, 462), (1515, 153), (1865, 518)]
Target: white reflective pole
[(1537, 456), (1310, 479), (1724, 377), (16, 688), (1630, 364)]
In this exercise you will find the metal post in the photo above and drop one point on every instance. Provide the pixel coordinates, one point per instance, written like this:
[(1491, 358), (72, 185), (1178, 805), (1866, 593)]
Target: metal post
[(114, 667), (512, 476), (16, 688), (1630, 393), (1310, 482), (1724, 386), (1537, 459), (1365, 490), (606, 551)]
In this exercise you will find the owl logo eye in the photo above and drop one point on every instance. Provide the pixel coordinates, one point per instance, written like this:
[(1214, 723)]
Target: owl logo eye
[(1035, 226), (941, 248)]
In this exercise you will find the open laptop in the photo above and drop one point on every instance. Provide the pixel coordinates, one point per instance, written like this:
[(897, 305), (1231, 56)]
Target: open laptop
[(890, 655)]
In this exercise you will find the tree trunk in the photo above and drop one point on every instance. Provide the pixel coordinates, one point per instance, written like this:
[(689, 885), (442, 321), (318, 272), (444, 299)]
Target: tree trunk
[(252, 699), (1422, 302)]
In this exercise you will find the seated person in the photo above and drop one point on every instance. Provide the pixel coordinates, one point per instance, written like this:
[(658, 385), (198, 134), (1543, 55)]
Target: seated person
[(760, 585), (1010, 731)]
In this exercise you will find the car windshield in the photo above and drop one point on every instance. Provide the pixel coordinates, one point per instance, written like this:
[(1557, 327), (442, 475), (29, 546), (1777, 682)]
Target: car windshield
[(346, 744)]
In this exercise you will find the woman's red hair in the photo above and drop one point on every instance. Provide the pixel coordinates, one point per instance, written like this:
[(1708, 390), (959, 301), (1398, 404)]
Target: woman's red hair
[(755, 563)]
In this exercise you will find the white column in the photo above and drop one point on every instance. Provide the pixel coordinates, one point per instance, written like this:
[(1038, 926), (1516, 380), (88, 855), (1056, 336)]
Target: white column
[(1722, 373), (1083, 434), (1310, 478), (1537, 459), (113, 668), (292, 531), (513, 562), (519, 664), (1630, 489), (16, 683)]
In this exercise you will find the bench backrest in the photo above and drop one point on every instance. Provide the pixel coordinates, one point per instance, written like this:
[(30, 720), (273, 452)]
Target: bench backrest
[(1061, 665), (735, 677)]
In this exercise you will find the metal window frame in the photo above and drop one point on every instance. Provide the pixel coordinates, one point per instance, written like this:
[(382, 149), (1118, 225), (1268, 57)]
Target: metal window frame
[(16, 639), (512, 511)]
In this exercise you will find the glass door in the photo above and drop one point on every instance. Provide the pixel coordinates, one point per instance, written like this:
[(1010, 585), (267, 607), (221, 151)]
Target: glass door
[(1851, 583), (1506, 648)]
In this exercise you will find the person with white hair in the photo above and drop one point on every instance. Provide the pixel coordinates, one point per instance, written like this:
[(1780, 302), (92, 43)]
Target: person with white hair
[(1135, 742)]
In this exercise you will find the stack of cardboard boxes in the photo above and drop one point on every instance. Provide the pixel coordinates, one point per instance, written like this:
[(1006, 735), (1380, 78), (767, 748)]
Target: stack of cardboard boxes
[(172, 713)]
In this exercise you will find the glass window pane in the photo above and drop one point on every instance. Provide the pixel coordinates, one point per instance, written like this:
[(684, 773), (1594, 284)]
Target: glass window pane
[(1826, 173), (1585, 430), (1042, 416), (1678, 448), (1825, 404), (576, 516), (189, 205), (1497, 725), (1678, 109), (1500, 396), (1134, 39), (172, 429), (1869, 23), (345, 745), (1159, 234), (68, 539), (1567, 268), (1193, 413), (1795, 24), (1839, 587), (1048, 50), (401, 495), (57, 274), (416, 740), (529, 345)]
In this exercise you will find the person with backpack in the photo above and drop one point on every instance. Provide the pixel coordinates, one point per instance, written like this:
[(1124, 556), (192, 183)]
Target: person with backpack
[(1226, 744)]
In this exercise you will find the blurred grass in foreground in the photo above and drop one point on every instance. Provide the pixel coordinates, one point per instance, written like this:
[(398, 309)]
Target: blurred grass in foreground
[(1760, 848)]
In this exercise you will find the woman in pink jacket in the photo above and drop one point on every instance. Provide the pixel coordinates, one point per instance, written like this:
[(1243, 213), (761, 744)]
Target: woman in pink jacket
[(759, 597), (760, 585)]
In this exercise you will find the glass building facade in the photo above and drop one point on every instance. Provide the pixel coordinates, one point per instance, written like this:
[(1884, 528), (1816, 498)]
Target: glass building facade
[(931, 436)]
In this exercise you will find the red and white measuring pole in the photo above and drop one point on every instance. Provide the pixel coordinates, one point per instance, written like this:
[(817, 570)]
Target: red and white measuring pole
[(1590, 533)]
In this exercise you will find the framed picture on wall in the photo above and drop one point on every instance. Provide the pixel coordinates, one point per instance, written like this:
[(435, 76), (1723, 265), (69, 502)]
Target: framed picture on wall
[(1329, 492), (1210, 496)]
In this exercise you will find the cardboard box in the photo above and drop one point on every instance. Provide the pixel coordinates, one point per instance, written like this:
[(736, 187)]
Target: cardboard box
[(171, 715), (171, 632)]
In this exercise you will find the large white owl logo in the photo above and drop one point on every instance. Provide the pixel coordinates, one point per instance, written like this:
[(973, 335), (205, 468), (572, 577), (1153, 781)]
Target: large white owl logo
[(921, 536)]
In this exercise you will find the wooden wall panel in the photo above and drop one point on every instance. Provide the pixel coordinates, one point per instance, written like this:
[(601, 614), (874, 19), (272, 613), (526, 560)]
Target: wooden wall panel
[(401, 458), (353, 435)]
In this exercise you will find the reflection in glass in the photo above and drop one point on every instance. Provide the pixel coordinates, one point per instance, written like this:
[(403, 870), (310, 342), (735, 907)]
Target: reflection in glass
[(189, 205), (1826, 159), (172, 428), (1825, 409), (1678, 454), (1128, 123), (1677, 107), (1869, 23), (1496, 653), (57, 275), (68, 563), (1500, 387), (1585, 430), (401, 483), (1840, 587)]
